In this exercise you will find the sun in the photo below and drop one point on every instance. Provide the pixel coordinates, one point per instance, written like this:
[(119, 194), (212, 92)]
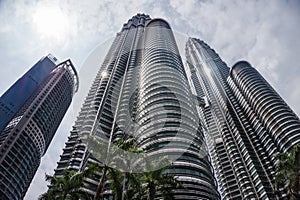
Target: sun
[(51, 22)]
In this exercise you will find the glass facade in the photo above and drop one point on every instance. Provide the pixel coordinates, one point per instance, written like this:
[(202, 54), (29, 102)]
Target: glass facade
[(276, 127), (243, 168), (167, 122), (220, 127), (14, 98), (27, 136), (246, 123), (268, 109), (142, 91)]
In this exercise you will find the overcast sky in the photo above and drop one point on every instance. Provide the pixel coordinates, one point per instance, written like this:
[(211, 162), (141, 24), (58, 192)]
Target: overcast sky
[(265, 33)]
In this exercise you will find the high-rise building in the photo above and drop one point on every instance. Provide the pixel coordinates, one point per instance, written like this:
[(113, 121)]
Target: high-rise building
[(142, 91), (246, 123), (14, 98), (31, 111), (264, 108)]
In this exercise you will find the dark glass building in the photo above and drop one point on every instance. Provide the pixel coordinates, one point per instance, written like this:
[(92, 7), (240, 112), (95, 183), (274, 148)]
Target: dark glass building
[(142, 91), (34, 107), (12, 100)]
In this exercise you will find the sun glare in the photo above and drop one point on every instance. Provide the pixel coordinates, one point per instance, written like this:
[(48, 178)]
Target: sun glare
[(104, 74), (51, 22)]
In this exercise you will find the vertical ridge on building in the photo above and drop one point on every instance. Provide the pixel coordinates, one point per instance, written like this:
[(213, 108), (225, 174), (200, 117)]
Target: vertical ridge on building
[(241, 169), (141, 91), (246, 121), (220, 127)]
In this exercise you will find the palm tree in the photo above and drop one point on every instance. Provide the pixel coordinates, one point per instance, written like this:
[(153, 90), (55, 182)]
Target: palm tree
[(149, 185), (132, 186), (159, 183), (135, 186), (288, 172), (115, 157), (115, 177), (69, 185)]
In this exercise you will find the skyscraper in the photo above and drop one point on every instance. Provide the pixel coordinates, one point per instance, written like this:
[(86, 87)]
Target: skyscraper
[(12, 100), (246, 122), (31, 111), (268, 109), (142, 91)]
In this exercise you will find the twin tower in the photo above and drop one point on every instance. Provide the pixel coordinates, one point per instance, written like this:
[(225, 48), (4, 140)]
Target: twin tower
[(218, 127)]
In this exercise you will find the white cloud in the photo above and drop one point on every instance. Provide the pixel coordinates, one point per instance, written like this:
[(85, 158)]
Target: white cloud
[(263, 32)]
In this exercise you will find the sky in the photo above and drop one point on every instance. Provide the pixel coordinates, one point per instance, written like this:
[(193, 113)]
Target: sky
[(265, 33)]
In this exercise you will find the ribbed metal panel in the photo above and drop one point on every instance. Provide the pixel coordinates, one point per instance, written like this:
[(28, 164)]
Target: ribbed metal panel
[(144, 94), (241, 165), (168, 125), (281, 123), (105, 113)]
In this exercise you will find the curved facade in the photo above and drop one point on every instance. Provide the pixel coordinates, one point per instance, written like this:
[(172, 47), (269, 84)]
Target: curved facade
[(204, 68), (242, 167), (168, 125), (280, 122), (144, 94), (105, 111), (26, 138)]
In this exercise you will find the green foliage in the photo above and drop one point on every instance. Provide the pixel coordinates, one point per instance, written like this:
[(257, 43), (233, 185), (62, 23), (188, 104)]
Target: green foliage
[(115, 177), (288, 171), (116, 158), (68, 187), (136, 186)]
